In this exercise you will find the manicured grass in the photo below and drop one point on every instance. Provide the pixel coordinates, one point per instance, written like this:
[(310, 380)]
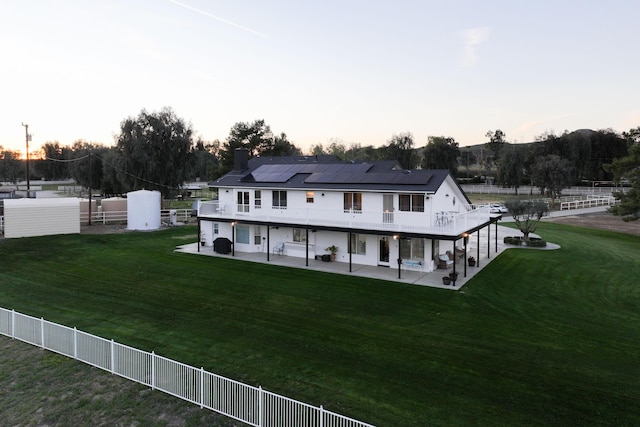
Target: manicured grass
[(536, 338)]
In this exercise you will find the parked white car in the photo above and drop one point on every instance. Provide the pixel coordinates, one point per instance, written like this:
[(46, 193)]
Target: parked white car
[(498, 208)]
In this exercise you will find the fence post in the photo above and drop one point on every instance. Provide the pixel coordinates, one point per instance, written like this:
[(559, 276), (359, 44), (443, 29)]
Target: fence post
[(201, 387), (260, 406), (112, 358), (42, 333), (13, 323), (153, 370), (75, 343), (321, 424)]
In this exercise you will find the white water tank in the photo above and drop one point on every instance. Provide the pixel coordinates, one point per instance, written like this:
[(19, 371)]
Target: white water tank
[(143, 210)]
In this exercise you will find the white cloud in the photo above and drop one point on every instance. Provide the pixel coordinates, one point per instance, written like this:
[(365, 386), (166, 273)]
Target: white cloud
[(472, 38)]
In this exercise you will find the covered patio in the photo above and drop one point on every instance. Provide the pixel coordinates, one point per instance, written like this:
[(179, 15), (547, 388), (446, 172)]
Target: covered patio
[(405, 275)]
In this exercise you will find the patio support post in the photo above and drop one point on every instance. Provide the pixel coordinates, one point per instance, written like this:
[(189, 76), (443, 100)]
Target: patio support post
[(350, 251), (268, 241), (233, 238), (464, 261), (478, 250), (199, 234), (489, 241), (306, 230), (496, 236), (455, 256)]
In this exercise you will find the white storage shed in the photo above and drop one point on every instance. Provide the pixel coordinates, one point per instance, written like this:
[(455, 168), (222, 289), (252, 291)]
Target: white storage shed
[(143, 210), (41, 217)]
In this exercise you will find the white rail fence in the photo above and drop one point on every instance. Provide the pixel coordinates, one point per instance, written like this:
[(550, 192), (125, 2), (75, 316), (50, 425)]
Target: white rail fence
[(589, 202), (251, 405), (168, 216)]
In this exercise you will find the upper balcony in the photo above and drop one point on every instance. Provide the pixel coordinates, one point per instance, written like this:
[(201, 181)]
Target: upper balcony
[(436, 223)]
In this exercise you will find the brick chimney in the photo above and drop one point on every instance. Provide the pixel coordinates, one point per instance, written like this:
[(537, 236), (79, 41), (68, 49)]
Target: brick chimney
[(241, 159)]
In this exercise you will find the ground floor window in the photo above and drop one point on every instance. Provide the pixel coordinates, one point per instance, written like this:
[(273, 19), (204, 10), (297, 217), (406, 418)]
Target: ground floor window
[(257, 236), (358, 244), (299, 235), (242, 234), (412, 249), (216, 228)]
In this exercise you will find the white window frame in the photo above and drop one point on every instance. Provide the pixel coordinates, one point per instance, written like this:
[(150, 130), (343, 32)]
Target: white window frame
[(257, 199), (299, 235), (279, 199), (416, 202), (353, 202), (242, 201), (358, 244)]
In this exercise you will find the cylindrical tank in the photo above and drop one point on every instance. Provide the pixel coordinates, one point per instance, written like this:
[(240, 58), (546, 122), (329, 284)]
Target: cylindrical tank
[(143, 210)]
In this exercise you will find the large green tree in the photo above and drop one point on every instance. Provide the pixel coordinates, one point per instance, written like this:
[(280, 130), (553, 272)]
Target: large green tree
[(258, 139), (441, 152), (155, 151), (628, 168), (512, 167), (551, 174), (55, 161), (86, 166), (587, 150), (206, 162), (400, 148), (11, 168), (497, 140)]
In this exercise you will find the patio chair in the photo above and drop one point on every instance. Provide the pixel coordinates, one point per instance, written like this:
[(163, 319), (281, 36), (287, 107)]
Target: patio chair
[(278, 248), (444, 261)]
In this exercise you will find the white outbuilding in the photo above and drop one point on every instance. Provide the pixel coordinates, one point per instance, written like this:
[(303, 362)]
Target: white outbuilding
[(41, 217), (143, 210)]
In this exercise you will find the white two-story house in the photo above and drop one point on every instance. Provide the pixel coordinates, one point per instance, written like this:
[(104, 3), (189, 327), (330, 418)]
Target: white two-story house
[(375, 213)]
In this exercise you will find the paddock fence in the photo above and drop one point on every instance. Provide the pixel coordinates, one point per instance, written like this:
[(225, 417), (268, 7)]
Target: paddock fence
[(589, 202), (248, 404), (167, 216)]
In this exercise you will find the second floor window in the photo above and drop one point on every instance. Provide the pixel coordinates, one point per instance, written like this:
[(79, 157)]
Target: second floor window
[(411, 202), (243, 201), (279, 200), (310, 196), (353, 202), (257, 199)]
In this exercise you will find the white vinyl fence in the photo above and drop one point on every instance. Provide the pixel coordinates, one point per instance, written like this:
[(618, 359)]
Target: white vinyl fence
[(251, 405), (167, 216)]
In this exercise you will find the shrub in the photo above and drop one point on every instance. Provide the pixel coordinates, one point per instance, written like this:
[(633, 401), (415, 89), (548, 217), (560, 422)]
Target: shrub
[(537, 243), (511, 240)]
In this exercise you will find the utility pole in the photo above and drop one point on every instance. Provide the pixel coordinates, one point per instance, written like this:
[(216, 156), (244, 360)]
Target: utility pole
[(90, 182), (27, 137)]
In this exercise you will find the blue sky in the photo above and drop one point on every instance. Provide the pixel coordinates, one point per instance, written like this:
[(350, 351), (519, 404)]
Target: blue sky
[(354, 71)]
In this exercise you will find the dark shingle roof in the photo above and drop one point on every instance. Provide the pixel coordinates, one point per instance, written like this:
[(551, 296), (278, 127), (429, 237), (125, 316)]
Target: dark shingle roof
[(327, 172)]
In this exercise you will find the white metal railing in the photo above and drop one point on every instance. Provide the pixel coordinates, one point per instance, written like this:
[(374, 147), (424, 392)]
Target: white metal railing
[(444, 222), (105, 217), (2, 223), (242, 402)]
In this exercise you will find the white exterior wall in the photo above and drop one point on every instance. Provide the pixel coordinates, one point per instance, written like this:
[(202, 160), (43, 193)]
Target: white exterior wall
[(41, 217), (329, 204)]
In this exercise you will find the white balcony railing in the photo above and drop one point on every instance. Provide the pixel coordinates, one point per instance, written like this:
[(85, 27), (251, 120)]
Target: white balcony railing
[(441, 222)]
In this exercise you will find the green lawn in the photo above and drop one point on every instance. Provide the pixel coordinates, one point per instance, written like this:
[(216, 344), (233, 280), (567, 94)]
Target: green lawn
[(537, 338)]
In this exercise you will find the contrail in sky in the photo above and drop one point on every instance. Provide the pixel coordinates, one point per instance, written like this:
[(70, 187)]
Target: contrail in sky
[(217, 18)]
